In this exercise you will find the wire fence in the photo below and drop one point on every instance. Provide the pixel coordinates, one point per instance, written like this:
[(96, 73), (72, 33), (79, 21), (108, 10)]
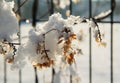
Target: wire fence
[(51, 11)]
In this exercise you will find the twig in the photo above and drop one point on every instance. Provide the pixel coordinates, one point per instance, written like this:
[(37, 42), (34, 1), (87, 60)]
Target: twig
[(13, 43), (20, 6), (45, 48), (52, 30), (104, 15), (45, 51), (99, 34), (44, 41), (44, 14), (48, 5)]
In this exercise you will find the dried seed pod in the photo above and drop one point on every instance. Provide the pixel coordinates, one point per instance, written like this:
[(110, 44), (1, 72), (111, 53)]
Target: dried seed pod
[(10, 60)]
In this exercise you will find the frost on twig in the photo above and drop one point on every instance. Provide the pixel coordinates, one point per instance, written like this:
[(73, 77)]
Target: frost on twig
[(107, 13), (56, 38), (8, 27), (96, 31)]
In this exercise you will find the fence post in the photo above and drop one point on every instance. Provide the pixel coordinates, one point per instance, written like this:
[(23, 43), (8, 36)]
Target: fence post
[(111, 43), (51, 12), (34, 12), (70, 7), (90, 44), (5, 72), (19, 37), (34, 17)]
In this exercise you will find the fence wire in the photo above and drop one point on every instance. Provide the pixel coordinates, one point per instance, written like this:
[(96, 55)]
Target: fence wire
[(51, 11)]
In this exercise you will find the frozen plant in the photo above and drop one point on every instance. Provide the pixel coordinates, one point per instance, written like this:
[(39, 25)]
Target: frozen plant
[(8, 27), (54, 39)]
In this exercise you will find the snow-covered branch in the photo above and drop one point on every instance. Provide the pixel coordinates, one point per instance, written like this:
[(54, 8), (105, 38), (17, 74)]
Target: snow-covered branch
[(56, 38)]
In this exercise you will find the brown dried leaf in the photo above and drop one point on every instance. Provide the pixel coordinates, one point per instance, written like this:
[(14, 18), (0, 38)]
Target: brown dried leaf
[(52, 62), (46, 64), (98, 40), (66, 48), (3, 53), (102, 44), (44, 57), (10, 60), (70, 58), (18, 17), (60, 41), (73, 36)]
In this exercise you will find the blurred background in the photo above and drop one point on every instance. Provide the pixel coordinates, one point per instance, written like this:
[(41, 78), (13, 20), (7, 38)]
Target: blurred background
[(96, 65), (79, 8)]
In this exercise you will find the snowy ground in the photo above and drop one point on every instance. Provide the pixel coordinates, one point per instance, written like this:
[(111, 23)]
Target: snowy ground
[(100, 60)]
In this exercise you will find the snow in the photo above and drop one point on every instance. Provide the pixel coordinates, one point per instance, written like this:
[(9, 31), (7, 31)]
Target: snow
[(42, 47), (8, 20), (8, 27), (100, 59), (34, 48)]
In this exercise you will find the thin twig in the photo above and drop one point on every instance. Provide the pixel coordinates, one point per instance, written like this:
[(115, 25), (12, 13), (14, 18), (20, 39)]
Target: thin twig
[(45, 48), (104, 15), (44, 14), (52, 30), (48, 5), (20, 6), (13, 43), (99, 34)]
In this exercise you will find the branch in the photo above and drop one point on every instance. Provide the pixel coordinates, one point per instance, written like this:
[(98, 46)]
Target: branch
[(107, 13), (52, 30), (20, 6), (50, 7), (13, 43)]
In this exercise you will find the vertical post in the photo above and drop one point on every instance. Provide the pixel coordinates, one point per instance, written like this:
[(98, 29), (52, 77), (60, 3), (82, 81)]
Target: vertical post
[(19, 33), (36, 77), (20, 76), (70, 7), (70, 78), (52, 7), (90, 44), (51, 12), (111, 43), (5, 72), (34, 17), (53, 74), (34, 12), (19, 36)]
